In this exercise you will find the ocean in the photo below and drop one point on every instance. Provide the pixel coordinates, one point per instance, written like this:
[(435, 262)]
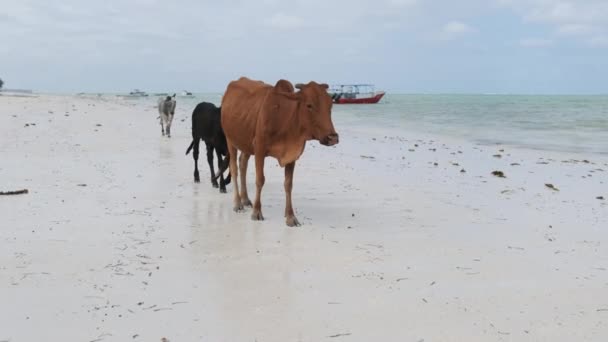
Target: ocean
[(570, 123)]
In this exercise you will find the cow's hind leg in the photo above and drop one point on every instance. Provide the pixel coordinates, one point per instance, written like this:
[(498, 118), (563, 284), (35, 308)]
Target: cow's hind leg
[(219, 167), (235, 172), (259, 183), (210, 161), (243, 163), (290, 217), (162, 126), (196, 141)]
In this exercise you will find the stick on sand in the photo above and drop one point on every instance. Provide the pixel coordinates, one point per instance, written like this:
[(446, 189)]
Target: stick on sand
[(17, 192)]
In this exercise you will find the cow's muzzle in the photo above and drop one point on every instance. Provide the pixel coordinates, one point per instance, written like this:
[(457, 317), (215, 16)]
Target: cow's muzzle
[(330, 139)]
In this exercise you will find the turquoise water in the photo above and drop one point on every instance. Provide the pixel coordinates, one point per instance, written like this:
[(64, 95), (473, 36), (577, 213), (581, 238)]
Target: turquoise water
[(553, 122), (562, 123)]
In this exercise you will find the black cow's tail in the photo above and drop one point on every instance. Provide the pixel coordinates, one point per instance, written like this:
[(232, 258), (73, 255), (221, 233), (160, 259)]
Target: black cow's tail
[(190, 147)]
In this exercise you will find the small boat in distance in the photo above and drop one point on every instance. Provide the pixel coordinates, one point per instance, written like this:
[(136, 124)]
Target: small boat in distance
[(137, 93), (186, 93), (355, 93)]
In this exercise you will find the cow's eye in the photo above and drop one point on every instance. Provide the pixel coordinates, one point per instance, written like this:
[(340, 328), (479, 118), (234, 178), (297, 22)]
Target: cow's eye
[(309, 106)]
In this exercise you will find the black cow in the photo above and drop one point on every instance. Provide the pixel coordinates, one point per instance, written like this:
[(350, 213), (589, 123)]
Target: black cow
[(206, 125)]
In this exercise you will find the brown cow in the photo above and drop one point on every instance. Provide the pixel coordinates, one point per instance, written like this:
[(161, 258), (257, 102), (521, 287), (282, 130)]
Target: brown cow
[(261, 120)]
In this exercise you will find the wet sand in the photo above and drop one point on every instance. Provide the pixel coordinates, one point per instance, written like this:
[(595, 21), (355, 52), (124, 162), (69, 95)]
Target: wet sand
[(404, 237)]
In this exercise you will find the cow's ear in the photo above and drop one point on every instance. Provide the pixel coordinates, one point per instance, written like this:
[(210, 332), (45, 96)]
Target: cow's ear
[(324, 86), (299, 86)]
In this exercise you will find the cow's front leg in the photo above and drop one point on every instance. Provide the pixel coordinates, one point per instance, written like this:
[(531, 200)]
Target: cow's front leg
[(234, 170), (162, 127), (290, 217), (259, 183), (243, 163)]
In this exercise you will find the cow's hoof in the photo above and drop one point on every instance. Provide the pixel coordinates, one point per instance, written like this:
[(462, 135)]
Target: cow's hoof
[(257, 216), (292, 221), (215, 185), (246, 202), (238, 208), (223, 191)]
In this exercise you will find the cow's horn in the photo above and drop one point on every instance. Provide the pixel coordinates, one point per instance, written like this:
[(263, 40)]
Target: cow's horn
[(222, 168), (299, 86)]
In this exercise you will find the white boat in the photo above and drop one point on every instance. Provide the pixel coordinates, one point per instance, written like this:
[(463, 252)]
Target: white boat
[(186, 93)]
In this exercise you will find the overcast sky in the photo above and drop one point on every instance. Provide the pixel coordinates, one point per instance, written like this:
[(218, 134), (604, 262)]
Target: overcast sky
[(411, 46)]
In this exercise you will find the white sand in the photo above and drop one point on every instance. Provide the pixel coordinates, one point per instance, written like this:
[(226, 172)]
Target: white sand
[(391, 248)]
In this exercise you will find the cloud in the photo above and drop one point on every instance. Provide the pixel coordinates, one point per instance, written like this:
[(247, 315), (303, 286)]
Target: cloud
[(598, 41), (578, 19), (402, 3), (574, 29), (536, 42), (454, 29), (285, 21)]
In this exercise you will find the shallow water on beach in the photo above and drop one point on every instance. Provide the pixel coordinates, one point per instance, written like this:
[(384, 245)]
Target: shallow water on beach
[(571, 123), (561, 123)]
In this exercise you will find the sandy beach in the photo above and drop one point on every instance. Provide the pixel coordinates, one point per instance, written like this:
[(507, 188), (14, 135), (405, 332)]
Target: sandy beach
[(404, 237)]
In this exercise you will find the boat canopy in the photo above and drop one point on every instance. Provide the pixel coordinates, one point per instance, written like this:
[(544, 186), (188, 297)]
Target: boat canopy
[(353, 88)]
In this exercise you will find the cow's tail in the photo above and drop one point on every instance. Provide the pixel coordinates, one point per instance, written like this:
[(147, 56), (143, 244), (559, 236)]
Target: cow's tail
[(190, 147)]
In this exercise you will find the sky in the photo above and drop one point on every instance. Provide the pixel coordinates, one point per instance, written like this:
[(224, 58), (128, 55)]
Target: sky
[(402, 46)]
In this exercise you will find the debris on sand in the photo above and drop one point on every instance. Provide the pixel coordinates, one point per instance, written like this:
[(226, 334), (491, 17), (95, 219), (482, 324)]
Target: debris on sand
[(463, 171), (336, 335), (551, 186), (367, 157), (515, 164), (16, 192), (497, 156), (499, 174), (601, 198)]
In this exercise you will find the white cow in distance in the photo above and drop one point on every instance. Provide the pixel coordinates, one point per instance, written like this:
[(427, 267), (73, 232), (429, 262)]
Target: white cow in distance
[(166, 110)]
